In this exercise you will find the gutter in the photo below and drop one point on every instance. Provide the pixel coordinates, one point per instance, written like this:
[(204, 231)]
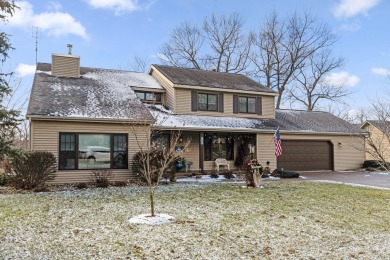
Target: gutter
[(258, 131)]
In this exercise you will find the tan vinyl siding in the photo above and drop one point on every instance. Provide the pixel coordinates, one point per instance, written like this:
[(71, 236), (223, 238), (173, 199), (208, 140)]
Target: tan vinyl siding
[(193, 150), (65, 66), (169, 97), (349, 155), (380, 141), (183, 105), (45, 136)]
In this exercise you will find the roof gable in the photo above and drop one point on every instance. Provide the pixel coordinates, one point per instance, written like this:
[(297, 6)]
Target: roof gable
[(210, 79), (382, 125)]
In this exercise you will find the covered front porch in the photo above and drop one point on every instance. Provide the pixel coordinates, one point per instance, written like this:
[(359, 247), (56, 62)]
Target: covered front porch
[(208, 146)]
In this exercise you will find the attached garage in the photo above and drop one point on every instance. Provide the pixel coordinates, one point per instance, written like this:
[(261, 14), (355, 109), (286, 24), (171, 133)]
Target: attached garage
[(306, 155)]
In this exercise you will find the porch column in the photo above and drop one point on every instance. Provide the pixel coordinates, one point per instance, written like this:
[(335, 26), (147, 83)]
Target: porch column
[(201, 151)]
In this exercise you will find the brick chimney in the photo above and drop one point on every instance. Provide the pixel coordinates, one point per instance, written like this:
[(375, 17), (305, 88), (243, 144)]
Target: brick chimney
[(65, 65)]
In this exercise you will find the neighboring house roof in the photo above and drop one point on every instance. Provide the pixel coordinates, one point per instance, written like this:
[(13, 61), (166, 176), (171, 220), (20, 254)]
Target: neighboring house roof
[(382, 125), (286, 120), (97, 94), (211, 79)]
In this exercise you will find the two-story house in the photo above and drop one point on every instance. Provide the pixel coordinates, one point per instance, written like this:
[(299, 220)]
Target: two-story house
[(82, 115)]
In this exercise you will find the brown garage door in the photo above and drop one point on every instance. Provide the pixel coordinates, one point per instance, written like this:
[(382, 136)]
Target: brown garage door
[(306, 155)]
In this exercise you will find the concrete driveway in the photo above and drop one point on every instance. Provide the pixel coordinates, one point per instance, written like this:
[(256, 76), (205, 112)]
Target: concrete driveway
[(370, 179)]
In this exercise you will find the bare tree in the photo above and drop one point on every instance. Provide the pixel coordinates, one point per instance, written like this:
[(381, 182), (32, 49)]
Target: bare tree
[(154, 156), (139, 64), (219, 44), (310, 84), (282, 49)]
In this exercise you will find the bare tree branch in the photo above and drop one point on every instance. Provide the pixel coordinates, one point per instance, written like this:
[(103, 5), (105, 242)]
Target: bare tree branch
[(220, 44), (310, 85), (283, 47)]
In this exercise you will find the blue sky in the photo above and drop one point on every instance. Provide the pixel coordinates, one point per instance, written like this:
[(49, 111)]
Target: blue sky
[(109, 33)]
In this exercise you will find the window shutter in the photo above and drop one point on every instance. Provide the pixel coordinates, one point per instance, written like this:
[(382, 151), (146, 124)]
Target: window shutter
[(194, 101), (235, 104), (259, 105), (220, 102)]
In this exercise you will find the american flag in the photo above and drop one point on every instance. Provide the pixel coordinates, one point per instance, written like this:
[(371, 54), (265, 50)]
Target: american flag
[(278, 143)]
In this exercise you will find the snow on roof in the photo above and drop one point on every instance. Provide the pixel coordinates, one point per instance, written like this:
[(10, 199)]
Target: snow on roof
[(98, 93), (286, 120), (165, 118)]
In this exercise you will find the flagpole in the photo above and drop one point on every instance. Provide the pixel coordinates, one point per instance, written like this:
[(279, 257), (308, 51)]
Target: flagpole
[(273, 136)]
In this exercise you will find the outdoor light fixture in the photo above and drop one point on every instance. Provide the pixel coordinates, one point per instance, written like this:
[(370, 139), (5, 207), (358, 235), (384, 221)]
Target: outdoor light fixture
[(340, 144)]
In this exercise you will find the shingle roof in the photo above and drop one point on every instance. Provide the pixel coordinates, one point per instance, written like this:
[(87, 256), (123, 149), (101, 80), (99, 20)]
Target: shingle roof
[(97, 94), (212, 79), (384, 126), (315, 121), (286, 120)]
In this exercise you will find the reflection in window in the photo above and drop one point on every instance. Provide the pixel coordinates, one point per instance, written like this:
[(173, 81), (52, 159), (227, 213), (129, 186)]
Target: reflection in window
[(120, 152), (149, 96), (67, 152), (101, 151), (218, 146), (247, 105), (207, 102), (94, 151)]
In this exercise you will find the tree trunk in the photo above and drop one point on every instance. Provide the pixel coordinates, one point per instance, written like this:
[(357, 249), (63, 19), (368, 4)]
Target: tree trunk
[(151, 196)]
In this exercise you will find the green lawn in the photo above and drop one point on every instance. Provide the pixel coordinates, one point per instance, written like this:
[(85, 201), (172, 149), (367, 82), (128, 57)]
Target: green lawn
[(283, 220)]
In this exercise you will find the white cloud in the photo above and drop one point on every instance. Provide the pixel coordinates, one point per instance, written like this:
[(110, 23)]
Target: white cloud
[(119, 6), (349, 8), (25, 69), (54, 23), (342, 78), (350, 27), (381, 71), (53, 5)]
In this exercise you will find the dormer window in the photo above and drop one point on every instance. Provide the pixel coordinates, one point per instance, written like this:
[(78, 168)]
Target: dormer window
[(149, 97)]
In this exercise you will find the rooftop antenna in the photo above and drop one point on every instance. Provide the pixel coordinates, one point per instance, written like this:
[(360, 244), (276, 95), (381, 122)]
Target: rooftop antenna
[(36, 36)]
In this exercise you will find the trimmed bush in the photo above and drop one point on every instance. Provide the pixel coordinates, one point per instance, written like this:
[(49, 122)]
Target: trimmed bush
[(32, 170), (284, 174), (155, 164), (214, 175), (374, 164), (228, 174), (371, 164)]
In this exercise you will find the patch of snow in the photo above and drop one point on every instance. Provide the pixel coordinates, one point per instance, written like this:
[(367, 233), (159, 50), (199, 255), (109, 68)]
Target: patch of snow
[(166, 118), (131, 79), (149, 220), (43, 72), (302, 177), (382, 173)]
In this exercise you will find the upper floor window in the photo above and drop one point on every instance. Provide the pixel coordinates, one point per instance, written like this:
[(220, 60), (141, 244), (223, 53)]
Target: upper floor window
[(149, 96), (207, 102), (247, 105)]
